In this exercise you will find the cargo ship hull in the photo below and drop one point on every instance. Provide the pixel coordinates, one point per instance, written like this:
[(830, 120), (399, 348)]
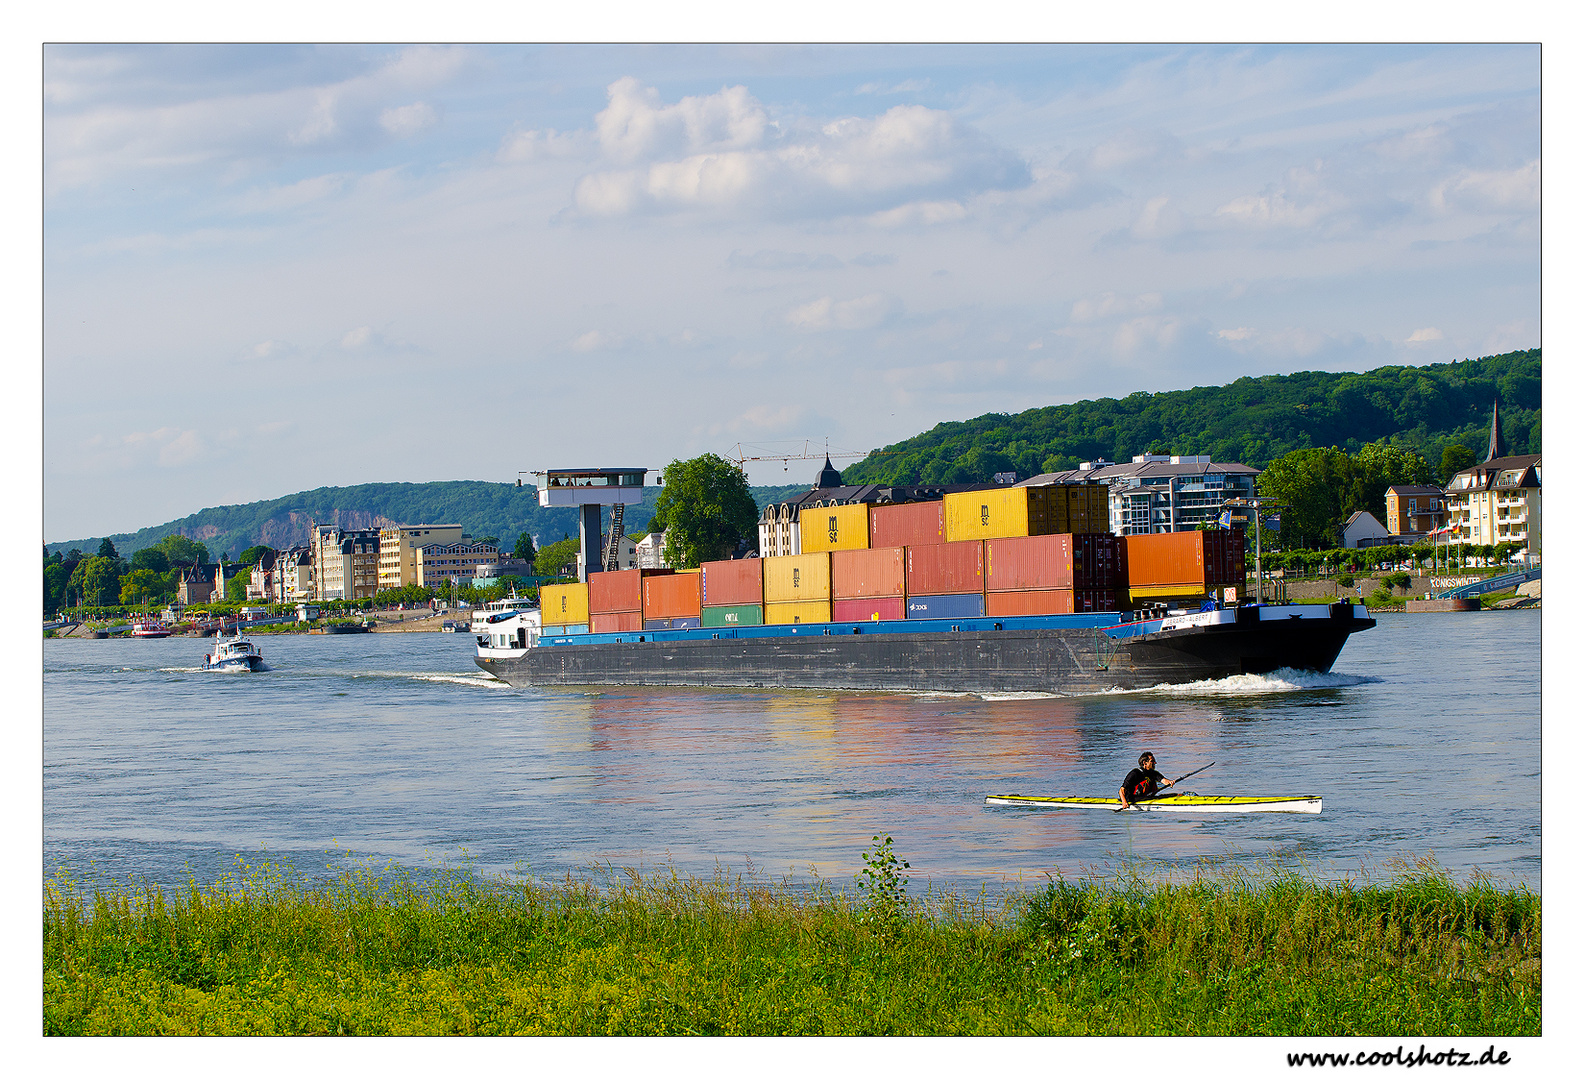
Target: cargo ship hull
[(1060, 654)]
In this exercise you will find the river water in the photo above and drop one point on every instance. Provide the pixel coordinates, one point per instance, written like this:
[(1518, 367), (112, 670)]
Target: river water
[(1424, 741)]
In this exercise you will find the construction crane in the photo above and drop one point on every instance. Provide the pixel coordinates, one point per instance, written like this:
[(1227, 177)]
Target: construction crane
[(740, 454)]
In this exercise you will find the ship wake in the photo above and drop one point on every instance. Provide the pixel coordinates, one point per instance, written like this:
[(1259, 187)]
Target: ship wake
[(1281, 681)]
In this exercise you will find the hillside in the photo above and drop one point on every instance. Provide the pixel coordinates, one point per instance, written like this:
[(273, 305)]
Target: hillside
[(1252, 420)]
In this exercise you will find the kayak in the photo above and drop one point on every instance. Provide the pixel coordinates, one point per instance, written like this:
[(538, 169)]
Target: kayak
[(1183, 802)]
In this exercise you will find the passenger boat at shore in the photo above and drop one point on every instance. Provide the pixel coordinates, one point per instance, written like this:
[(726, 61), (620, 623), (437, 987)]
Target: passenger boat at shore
[(150, 628), (234, 654), (494, 612), (1177, 802)]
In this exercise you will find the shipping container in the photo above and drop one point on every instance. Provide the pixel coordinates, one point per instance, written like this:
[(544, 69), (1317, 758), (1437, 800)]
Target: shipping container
[(731, 582), (677, 623), (1049, 602), (1025, 511), (863, 574), (1062, 561), (834, 528), (1190, 562), (940, 569), (907, 524), (869, 609), (733, 615), (807, 611), (564, 604), (615, 622), (793, 578), (619, 590), (562, 631), (954, 606), (671, 596)]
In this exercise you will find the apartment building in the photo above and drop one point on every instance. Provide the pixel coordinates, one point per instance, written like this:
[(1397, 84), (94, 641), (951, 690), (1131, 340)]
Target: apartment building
[(1415, 509), (399, 545), (346, 563), (1162, 492), (441, 564), (1498, 501)]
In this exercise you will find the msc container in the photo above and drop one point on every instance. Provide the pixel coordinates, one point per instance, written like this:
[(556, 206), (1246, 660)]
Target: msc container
[(619, 590), (955, 606), (834, 528), (733, 615), (1183, 563), (907, 524), (731, 582), (790, 578), (564, 604), (1025, 511), (671, 596), (561, 631), (869, 609), (807, 611), (1049, 602), (1061, 561), (939, 569), (615, 622), (678, 623), (872, 573)]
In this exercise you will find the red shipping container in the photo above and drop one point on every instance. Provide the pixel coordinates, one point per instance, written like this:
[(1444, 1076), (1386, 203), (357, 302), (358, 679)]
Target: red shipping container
[(671, 596), (613, 622), (871, 573), (868, 609), (907, 524), (619, 590), (1057, 561), (731, 583), (943, 569), (1049, 602)]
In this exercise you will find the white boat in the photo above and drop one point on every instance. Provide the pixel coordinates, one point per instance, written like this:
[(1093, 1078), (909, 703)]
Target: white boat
[(498, 611), (234, 654), (1185, 802), (509, 634), (150, 628)]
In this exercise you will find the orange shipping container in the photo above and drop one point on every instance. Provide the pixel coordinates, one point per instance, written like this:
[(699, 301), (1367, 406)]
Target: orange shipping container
[(834, 528), (619, 590), (1049, 602), (943, 569), (615, 622), (671, 596), (907, 524), (873, 573), (1062, 561), (1193, 561), (731, 583)]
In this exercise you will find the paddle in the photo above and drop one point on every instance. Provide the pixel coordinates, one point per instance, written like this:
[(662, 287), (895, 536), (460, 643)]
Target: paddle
[(1175, 783)]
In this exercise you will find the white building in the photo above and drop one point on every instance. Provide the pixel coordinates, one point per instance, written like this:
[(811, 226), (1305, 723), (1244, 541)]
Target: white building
[(626, 557), (1363, 530), (1160, 492), (651, 551), (1498, 501)]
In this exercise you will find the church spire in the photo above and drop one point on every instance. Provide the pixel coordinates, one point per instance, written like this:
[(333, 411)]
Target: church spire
[(829, 477), (1494, 448)]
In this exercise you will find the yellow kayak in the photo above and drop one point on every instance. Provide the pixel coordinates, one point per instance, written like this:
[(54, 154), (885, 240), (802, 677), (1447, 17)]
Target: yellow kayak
[(1186, 802)]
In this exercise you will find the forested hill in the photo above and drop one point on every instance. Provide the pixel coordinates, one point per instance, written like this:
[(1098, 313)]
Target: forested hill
[(1253, 420)]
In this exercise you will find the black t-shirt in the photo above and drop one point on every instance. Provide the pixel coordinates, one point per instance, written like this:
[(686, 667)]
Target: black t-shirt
[(1142, 783)]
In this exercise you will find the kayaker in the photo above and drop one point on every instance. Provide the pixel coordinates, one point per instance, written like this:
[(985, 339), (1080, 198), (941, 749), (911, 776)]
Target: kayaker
[(1143, 782)]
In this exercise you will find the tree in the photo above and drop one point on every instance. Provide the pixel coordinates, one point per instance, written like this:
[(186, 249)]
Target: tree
[(182, 549), (151, 558), (97, 580), (252, 555), (1456, 457), (237, 587), (1311, 485), (524, 549), (55, 578), (107, 550), (705, 509), (552, 557), (1377, 467), (140, 586)]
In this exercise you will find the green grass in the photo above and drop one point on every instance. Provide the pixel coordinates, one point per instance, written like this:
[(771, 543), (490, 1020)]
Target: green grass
[(262, 952)]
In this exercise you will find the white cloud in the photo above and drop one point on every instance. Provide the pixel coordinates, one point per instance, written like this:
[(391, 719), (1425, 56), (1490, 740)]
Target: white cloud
[(862, 313), (1149, 332), (1502, 190), (919, 213), (1286, 344), (907, 86), (1109, 305), (356, 339), (168, 447), (634, 124), (1158, 219), (534, 145), (591, 341), (1424, 334), (1237, 333), (291, 196), (405, 120)]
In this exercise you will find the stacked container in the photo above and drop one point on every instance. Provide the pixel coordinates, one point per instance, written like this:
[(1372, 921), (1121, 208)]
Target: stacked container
[(945, 581), (732, 592), (671, 601), (798, 588), (1052, 575), (564, 609), (867, 586), (907, 524), (616, 600), (834, 528), (1025, 511), (1183, 565)]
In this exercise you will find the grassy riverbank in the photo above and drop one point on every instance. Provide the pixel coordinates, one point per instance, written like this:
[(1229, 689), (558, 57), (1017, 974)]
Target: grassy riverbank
[(386, 953)]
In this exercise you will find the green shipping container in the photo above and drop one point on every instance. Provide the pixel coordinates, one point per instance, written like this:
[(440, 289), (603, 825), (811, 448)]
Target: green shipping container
[(733, 615)]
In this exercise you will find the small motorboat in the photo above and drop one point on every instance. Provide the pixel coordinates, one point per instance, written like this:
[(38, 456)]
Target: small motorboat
[(234, 654)]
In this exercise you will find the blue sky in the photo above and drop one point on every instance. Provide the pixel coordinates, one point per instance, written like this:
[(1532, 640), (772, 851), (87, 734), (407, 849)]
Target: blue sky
[(272, 268)]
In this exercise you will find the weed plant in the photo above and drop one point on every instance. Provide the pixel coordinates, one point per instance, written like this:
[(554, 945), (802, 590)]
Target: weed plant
[(613, 952)]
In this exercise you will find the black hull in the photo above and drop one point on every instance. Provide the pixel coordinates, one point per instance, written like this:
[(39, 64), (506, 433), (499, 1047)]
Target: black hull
[(1060, 661)]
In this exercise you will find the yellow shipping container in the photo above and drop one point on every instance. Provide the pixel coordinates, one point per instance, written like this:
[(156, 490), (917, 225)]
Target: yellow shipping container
[(797, 577), (834, 528), (802, 612), (564, 605), (999, 513)]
